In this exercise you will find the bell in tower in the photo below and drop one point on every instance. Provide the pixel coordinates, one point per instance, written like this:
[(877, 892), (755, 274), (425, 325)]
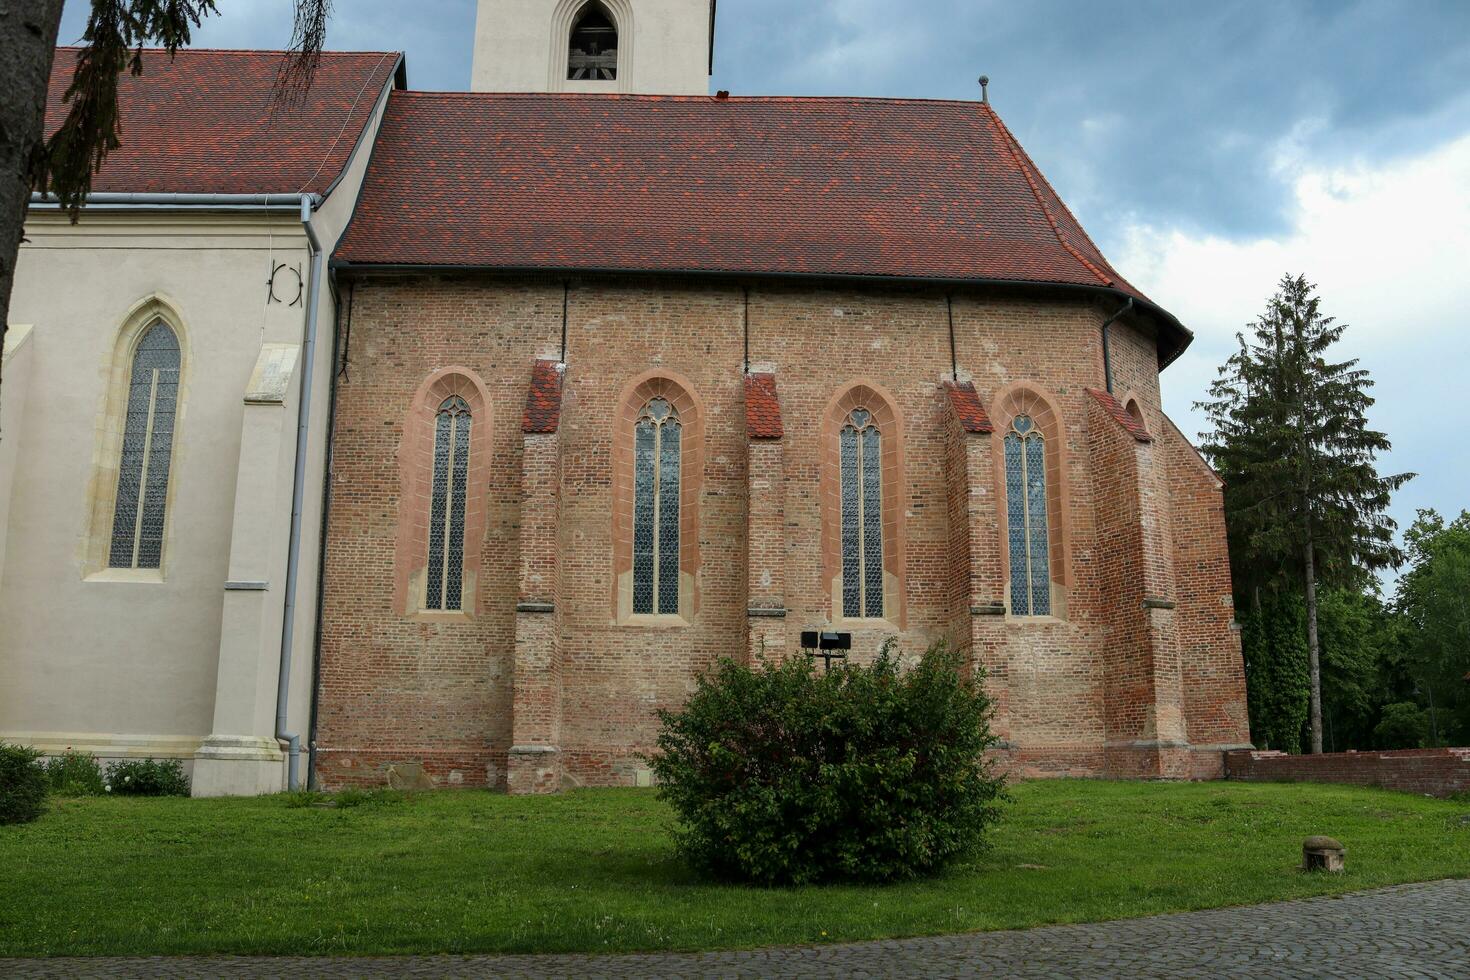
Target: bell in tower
[(594, 47), (663, 47)]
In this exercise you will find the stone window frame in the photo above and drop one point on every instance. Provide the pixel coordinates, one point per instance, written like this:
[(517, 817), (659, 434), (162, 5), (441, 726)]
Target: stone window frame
[(1027, 398), (415, 488), (888, 418), (677, 390), (108, 441), (563, 17)]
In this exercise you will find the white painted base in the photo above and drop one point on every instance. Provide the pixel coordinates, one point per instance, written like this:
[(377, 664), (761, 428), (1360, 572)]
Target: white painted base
[(239, 765)]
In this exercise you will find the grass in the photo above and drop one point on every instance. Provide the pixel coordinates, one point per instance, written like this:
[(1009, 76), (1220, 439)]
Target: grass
[(594, 870)]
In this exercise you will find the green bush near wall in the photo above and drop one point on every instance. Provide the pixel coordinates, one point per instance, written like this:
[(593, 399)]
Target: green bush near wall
[(147, 777), (22, 784), (74, 774), (790, 775)]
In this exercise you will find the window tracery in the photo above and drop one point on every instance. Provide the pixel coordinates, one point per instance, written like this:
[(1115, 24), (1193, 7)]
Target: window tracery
[(444, 583), (147, 451), (1027, 534), (861, 459), (657, 446)]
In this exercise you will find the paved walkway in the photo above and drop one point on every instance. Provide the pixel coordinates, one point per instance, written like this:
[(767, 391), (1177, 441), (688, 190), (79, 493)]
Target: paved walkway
[(1406, 931)]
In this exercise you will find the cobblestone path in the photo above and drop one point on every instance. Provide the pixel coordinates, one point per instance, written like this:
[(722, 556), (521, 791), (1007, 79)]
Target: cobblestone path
[(1406, 931)]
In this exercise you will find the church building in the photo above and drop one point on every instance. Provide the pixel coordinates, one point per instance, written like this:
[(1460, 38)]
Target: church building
[(609, 378)]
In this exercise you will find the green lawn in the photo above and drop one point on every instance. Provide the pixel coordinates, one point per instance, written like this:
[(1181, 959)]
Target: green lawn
[(473, 871)]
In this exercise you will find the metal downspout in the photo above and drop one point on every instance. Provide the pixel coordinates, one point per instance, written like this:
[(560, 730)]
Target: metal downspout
[(298, 491), (1107, 354)]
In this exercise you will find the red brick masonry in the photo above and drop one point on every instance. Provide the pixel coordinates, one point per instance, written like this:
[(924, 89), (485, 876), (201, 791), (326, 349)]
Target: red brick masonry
[(1433, 772)]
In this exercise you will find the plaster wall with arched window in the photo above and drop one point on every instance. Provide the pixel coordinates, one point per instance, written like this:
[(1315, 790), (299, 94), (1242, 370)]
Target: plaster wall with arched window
[(658, 473), (862, 491), (1030, 452), (137, 446), (443, 463)]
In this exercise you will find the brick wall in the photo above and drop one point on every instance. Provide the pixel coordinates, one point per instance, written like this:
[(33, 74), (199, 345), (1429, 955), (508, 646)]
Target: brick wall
[(444, 691), (1433, 772)]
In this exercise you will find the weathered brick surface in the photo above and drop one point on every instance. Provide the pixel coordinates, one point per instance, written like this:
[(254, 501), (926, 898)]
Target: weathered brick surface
[(1433, 772), (445, 691)]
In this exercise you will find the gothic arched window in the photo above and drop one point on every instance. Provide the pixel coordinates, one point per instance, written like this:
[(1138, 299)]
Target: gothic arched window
[(147, 449), (444, 583), (656, 449), (861, 457), (1026, 519), (593, 54)]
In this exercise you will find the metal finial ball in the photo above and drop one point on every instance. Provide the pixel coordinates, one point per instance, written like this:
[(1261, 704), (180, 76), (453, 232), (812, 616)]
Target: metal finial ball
[(984, 79)]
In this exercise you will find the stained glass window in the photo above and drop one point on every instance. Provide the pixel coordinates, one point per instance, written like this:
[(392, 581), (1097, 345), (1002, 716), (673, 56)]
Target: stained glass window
[(444, 586), (861, 457), (147, 450), (1026, 519), (656, 484)]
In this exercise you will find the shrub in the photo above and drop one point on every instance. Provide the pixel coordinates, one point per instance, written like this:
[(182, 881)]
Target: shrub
[(784, 775), (1403, 725), (74, 774), (22, 784), (147, 777)]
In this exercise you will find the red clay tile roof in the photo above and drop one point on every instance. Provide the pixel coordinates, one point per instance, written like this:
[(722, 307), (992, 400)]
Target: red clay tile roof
[(762, 408), (1121, 415), (967, 408), (207, 123), (543, 398), (829, 187)]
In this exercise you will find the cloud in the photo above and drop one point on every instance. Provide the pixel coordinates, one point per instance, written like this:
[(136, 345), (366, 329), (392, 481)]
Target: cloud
[(1389, 248)]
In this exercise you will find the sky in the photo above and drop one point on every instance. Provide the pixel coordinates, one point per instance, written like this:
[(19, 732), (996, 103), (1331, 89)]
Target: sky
[(1208, 149)]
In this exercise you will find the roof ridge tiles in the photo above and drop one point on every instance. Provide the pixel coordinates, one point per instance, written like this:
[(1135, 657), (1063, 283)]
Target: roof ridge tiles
[(1066, 208), (1030, 173), (654, 97)]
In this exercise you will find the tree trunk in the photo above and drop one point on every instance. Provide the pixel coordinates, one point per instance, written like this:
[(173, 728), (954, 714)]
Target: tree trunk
[(27, 45), (1314, 664)]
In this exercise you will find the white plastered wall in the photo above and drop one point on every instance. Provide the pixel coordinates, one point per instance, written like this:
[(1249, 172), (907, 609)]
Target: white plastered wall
[(130, 665), (663, 46)]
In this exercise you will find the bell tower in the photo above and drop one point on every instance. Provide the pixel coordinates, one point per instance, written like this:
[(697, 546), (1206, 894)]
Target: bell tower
[(646, 46)]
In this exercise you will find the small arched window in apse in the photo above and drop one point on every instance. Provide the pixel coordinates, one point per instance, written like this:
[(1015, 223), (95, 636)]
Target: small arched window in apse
[(593, 54), (147, 451), (444, 583), (860, 451), (1136, 411), (1026, 519), (656, 483)]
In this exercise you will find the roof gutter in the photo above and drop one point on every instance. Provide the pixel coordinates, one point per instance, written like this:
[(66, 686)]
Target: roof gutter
[(1166, 319), (298, 493), (109, 200)]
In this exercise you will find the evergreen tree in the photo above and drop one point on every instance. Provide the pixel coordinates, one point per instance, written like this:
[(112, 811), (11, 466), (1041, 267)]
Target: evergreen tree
[(1434, 598), (1273, 635), (1303, 498)]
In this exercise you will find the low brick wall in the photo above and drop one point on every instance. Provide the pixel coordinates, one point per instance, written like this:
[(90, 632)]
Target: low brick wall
[(1433, 772)]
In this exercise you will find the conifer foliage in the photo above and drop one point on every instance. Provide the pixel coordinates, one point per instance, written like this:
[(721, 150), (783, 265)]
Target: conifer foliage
[(1304, 501)]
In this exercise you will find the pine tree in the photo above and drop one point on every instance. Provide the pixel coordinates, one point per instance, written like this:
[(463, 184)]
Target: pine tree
[(1304, 502)]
